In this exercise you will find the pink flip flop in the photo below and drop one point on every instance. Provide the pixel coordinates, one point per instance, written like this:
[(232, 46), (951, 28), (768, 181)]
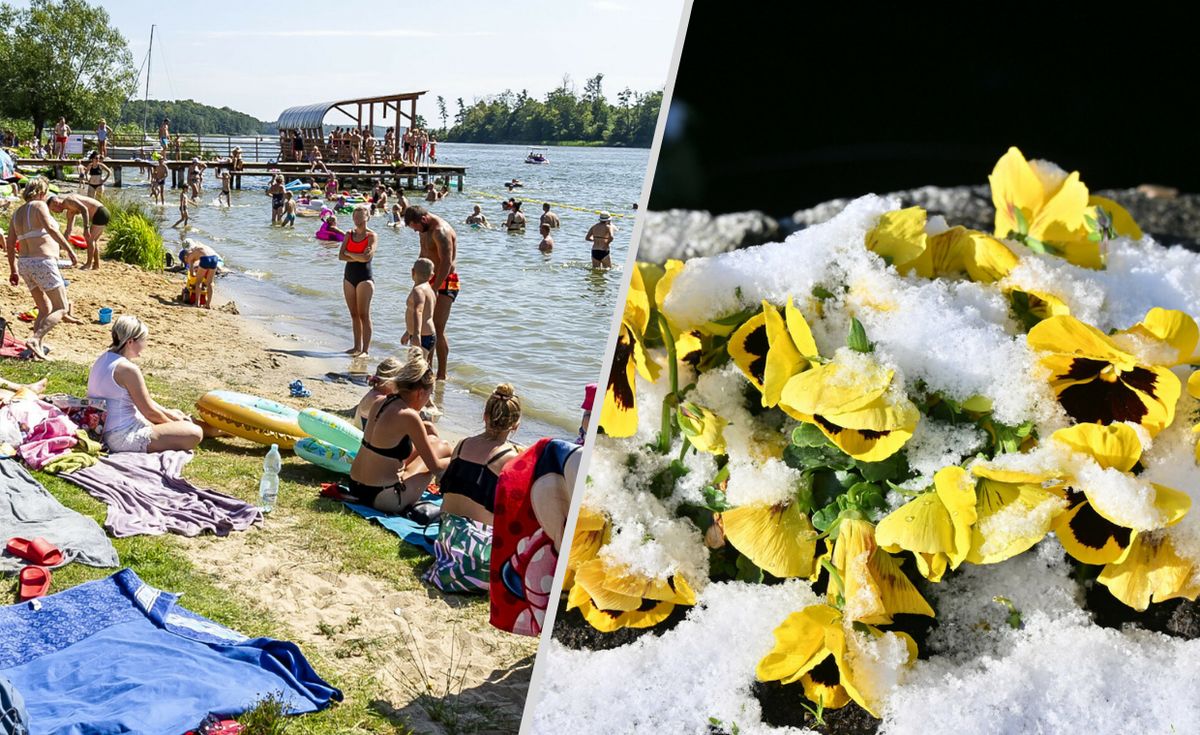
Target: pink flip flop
[(38, 551)]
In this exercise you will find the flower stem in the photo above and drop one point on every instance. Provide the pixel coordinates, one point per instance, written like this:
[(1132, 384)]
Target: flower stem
[(667, 433)]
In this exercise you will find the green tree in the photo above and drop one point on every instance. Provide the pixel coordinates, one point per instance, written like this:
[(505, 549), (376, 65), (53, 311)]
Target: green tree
[(442, 112), (62, 57)]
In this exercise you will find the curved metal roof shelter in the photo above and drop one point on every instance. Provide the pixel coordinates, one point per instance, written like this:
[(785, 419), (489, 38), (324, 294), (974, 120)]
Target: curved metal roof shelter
[(312, 116)]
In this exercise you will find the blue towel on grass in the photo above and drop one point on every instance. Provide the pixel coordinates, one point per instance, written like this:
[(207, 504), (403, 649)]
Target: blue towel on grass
[(119, 656), (409, 531)]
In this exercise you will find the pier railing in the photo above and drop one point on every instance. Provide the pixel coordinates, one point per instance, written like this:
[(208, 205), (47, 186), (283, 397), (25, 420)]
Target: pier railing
[(256, 148)]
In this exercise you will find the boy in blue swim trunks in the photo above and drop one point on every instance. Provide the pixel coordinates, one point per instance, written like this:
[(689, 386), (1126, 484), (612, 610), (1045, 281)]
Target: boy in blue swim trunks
[(202, 262), (418, 317), (289, 211)]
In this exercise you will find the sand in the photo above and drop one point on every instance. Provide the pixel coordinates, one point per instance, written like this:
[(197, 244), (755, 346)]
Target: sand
[(469, 667)]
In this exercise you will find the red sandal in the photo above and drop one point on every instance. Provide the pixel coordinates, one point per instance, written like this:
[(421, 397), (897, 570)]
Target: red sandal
[(35, 582), (38, 551)]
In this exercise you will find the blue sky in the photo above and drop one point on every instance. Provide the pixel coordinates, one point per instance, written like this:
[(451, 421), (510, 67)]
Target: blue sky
[(261, 57)]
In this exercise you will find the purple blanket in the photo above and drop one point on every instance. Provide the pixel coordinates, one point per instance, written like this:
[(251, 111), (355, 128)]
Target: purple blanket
[(146, 495)]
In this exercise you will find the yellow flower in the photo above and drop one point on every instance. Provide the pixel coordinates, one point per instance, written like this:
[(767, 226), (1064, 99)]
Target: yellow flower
[(778, 538), (1098, 382), (935, 526), (618, 414), (613, 597), (770, 349), (854, 403), (1175, 329), (1099, 534), (703, 428), (591, 533), (1152, 571), (1034, 201), (874, 588), (815, 647), (901, 239), (1014, 510), (1193, 387)]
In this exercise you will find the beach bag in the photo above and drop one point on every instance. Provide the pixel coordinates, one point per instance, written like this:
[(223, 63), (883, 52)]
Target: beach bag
[(423, 512), (86, 413)]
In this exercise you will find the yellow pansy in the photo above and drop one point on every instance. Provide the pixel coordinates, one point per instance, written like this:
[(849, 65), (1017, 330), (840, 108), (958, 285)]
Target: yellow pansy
[(899, 236), (874, 587), (618, 413), (934, 526), (1152, 571), (1175, 329), (901, 239), (1098, 382), (853, 403), (1193, 387), (613, 597), (815, 648), (703, 428), (777, 538), (770, 348), (1014, 510), (1094, 533), (591, 532), (1035, 201)]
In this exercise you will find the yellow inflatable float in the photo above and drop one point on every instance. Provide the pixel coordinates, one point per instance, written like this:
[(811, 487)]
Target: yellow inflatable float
[(250, 417)]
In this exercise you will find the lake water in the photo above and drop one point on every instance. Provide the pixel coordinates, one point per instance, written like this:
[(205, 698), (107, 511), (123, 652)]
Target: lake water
[(538, 321)]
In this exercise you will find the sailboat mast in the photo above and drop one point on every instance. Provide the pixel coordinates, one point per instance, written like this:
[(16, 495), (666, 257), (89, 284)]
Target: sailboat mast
[(146, 99)]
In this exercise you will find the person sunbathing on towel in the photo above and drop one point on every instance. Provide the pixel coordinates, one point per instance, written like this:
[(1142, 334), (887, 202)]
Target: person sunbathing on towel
[(135, 422), (463, 550), (8, 389), (399, 457)]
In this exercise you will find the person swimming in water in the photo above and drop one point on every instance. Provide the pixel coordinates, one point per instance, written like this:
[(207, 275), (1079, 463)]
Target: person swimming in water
[(601, 236), (516, 219), (477, 219)]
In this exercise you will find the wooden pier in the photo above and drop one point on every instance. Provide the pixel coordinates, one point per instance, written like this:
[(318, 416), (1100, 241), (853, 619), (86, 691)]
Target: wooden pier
[(360, 175)]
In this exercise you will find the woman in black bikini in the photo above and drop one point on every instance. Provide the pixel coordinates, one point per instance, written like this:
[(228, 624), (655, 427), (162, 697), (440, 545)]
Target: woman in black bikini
[(398, 457), (97, 175), (463, 550), (358, 283)]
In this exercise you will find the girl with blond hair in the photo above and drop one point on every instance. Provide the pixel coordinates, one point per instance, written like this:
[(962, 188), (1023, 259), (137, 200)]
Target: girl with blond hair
[(135, 422), (463, 550)]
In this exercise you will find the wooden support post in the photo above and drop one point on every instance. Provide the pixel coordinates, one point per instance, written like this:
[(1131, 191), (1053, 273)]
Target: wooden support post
[(117, 175), (174, 178), (460, 182)]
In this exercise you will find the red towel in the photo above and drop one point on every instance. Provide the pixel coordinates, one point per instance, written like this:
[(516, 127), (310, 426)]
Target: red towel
[(12, 346), (523, 558)]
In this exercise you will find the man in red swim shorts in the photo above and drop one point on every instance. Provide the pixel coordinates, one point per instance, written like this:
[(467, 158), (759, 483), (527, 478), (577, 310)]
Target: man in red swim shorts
[(439, 243)]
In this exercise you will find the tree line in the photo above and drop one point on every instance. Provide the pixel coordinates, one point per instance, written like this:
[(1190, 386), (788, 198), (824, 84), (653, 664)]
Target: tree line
[(563, 116), (190, 116)]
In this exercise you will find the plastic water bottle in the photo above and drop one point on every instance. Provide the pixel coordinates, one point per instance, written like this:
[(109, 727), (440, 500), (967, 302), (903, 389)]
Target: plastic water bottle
[(268, 487)]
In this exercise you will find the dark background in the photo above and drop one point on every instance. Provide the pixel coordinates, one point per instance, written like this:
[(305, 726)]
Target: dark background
[(779, 107)]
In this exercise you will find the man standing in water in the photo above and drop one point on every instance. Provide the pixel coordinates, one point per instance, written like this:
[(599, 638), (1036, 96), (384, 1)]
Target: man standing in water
[(550, 219), (601, 236), (439, 243)]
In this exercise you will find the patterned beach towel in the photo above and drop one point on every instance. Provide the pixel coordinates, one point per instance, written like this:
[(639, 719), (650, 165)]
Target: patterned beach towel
[(462, 555)]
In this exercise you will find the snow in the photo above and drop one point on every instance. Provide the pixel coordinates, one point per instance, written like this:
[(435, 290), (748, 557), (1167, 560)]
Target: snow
[(675, 682)]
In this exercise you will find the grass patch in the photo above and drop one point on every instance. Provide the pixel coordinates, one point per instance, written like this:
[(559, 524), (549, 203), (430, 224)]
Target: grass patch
[(321, 527), (133, 235)]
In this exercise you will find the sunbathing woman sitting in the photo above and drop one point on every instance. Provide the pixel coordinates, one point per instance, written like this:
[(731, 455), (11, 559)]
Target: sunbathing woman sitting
[(398, 457), (463, 550)]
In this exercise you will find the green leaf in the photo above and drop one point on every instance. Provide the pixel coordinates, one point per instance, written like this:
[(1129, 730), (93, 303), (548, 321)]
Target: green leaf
[(822, 293), (813, 458), (894, 467), (808, 435), (1091, 223), (662, 485), (824, 519), (747, 571), (857, 340), (714, 499), (736, 318)]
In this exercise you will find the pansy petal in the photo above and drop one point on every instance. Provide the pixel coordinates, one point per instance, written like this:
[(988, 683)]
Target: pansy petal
[(1151, 572), (748, 346), (1122, 220), (618, 413), (899, 236), (1116, 445), (779, 539), (783, 359), (1014, 186)]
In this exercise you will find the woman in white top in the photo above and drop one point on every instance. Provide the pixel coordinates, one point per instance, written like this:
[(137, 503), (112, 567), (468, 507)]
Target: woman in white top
[(134, 421)]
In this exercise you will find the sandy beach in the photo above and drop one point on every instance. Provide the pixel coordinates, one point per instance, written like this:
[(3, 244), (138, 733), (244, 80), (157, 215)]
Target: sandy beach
[(409, 642)]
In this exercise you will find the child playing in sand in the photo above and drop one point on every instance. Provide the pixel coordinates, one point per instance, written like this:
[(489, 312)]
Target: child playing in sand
[(289, 211), (419, 316), (225, 177), (183, 209), (202, 262), (547, 243)]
